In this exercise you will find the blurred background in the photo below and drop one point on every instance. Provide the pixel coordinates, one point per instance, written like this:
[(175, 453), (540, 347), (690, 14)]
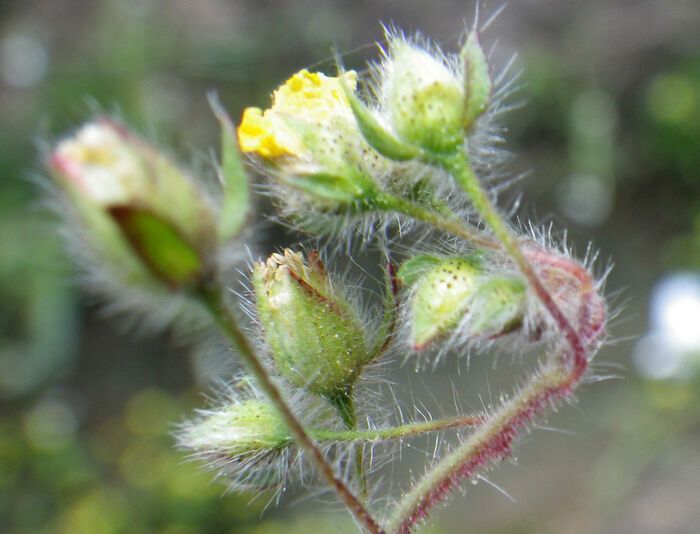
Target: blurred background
[(610, 132)]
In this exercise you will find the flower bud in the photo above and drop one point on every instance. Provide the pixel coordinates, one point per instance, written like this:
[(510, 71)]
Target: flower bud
[(141, 214), (457, 291), (243, 427), (245, 438), (315, 337), (310, 136), (423, 98)]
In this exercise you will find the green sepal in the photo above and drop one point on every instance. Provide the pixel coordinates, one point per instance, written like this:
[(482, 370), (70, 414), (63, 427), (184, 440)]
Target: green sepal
[(443, 288), (160, 246), (333, 177), (498, 307), (411, 270), (235, 204), (331, 186), (477, 80), (376, 135)]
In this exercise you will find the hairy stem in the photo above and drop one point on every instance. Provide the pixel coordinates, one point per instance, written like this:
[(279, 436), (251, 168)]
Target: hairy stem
[(491, 442), (345, 406), (212, 297), (561, 373), (397, 432), (449, 223), (458, 165)]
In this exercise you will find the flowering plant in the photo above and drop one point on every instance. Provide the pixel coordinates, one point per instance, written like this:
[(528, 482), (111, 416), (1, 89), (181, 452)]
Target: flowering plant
[(414, 151)]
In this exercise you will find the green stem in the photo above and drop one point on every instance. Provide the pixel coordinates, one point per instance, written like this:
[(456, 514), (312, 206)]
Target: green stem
[(398, 432), (449, 223), (212, 298), (343, 403)]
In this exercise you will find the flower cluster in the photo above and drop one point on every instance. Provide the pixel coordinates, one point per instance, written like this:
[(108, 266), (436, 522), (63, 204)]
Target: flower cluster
[(331, 155)]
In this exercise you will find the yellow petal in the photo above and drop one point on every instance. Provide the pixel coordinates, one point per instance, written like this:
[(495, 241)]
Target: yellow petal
[(312, 97)]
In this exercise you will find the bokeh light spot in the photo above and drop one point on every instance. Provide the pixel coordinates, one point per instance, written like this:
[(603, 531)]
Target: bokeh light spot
[(585, 199), (50, 426), (150, 412), (671, 349), (23, 60), (671, 98)]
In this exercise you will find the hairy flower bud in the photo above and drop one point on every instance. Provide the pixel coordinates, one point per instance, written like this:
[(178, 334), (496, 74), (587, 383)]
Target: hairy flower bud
[(423, 98), (140, 212), (243, 427), (315, 336), (446, 291), (245, 438)]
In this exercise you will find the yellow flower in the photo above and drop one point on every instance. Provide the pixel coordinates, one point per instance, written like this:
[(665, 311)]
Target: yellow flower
[(310, 96)]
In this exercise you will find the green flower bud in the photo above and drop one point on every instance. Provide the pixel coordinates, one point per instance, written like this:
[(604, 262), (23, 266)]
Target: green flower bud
[(245, 439), (447, 290), (142, 215), (243, 427), (424, 99), (316, 338)]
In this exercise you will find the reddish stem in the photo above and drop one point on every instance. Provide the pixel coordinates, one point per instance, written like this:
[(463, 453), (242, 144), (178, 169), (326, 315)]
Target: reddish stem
[(493, 441)]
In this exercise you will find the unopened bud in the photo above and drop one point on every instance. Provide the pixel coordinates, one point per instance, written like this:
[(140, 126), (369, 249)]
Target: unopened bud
[(446, 290), (315, 336), (243, 427), (138, 209), (245, 439), (423, 98)]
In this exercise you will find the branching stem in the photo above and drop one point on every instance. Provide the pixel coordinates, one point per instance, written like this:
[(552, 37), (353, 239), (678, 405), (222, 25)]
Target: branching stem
[(560, 374), (212, 297), (490, 443), (450, 223)]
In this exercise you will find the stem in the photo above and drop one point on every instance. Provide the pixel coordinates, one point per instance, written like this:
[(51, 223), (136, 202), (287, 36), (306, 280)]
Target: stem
[(494, 439), (462, 171), (490, 443), (451, 223), (397, 432), (212, 298), (345, 406)]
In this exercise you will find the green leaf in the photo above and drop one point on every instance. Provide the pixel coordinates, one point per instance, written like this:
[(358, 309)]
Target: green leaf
[(478, 80), (236, 196), (159, 245)]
